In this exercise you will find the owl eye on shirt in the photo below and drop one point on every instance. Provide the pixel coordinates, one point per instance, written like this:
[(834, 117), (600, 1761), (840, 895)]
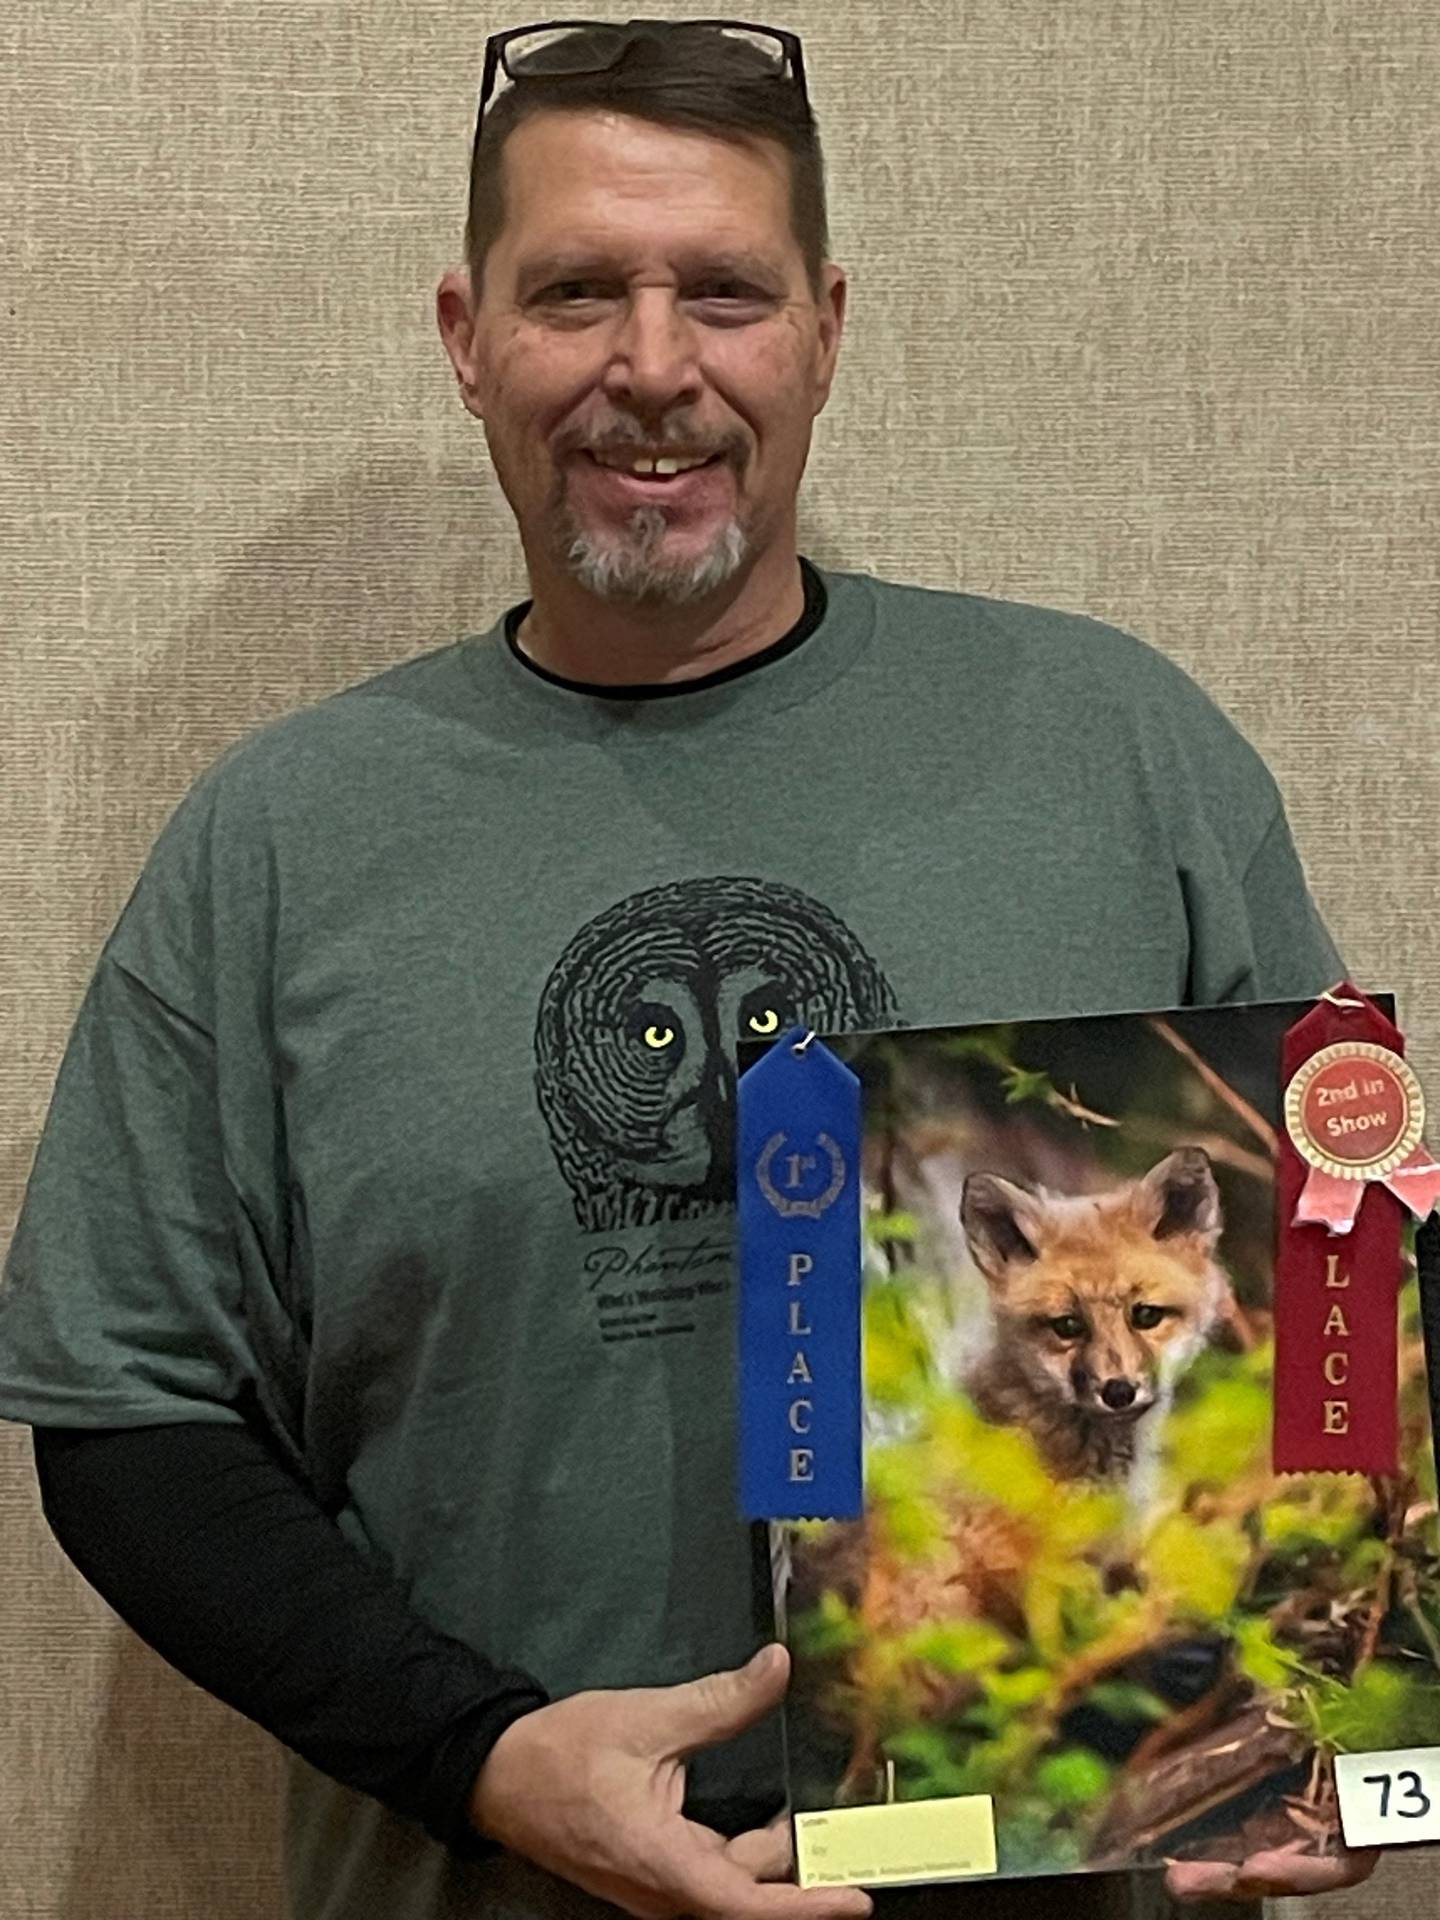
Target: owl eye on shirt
[(657, 1030), (765, 1011)]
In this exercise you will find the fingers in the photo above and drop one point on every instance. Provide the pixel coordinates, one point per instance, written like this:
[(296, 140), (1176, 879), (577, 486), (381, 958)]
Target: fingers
[(765, 1853), (702, 1713), (1270, 1876), (712, 1886)]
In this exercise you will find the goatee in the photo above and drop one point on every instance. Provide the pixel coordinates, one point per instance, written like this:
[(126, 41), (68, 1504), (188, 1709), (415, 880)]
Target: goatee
[(632, 565)]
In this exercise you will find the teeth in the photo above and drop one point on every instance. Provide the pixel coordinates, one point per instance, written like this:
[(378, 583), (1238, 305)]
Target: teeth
[(642, 465)]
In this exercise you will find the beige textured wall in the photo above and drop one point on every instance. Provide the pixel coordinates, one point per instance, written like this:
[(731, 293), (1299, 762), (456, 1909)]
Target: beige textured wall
[(1143, 322)]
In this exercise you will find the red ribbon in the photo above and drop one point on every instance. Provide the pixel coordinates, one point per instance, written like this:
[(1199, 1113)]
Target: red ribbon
[(1337, 1278), (1328, 1202)]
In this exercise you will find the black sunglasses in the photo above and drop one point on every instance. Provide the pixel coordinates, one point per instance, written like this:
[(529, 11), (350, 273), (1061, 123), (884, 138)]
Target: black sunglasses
[(594, 46)]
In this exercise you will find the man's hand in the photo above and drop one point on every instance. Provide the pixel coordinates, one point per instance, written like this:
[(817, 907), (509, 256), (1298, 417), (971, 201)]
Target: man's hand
[(591, 1788), (1270, 1876)]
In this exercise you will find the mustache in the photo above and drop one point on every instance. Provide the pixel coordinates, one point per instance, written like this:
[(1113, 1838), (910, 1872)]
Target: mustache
[(620, 435)]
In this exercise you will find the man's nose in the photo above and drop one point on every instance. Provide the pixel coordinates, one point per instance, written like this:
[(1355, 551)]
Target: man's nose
[(654, 363)]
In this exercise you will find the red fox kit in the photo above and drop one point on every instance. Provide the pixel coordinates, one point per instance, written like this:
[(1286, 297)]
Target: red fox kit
[(1099, 1303)]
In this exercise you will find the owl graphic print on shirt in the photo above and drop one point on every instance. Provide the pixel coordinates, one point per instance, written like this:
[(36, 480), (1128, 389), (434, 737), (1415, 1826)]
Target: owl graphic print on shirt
[(637, 1028)]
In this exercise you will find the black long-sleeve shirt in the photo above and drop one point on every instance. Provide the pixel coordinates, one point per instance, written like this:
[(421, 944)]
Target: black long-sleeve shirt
[(211, 1549)]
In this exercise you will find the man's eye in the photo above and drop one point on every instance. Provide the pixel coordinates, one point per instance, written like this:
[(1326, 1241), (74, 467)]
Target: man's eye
[(659, 1037), (764, 1023), (728, 293), (567, 292), (1067, 1326)]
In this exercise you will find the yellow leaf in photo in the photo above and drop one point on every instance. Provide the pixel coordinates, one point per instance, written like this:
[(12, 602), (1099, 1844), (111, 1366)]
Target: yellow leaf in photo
[(1199, 1568)]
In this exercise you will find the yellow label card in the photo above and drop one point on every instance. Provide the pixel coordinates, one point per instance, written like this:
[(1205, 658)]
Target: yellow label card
[(906, 1841)]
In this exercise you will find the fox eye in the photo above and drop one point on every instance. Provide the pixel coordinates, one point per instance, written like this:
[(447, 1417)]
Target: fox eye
[(1143, 1317), (1067, 1326)]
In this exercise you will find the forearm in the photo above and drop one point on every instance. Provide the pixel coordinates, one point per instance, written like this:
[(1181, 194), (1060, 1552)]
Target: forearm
[(223, 1562)]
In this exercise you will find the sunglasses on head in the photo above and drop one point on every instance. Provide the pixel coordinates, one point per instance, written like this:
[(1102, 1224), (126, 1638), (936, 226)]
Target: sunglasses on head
[(560, 47)]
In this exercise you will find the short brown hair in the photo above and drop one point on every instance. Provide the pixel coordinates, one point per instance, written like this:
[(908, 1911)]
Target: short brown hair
[(686, 77)]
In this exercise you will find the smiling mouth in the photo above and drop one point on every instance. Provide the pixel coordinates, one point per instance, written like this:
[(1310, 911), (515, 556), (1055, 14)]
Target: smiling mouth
[(655, 468), (701, 489)]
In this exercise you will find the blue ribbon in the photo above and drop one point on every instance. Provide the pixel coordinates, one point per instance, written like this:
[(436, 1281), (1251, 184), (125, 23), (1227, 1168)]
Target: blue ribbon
[(798, 1166)]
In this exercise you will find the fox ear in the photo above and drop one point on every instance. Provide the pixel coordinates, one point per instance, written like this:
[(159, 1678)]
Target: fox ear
[(998, 1219), (1180, 1196)]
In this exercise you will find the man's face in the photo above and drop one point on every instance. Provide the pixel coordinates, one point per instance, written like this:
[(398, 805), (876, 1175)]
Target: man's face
[(646, 297)]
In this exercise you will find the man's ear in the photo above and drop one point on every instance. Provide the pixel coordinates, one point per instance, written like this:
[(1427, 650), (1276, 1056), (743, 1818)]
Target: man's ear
[(455, 316), (833, 291), (1000, 1225)]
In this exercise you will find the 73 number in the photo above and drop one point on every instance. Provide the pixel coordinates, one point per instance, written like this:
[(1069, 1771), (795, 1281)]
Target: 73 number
[(1412, 1804)]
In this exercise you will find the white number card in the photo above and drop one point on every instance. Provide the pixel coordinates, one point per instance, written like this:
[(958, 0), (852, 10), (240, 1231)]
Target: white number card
[(1389, 1799)]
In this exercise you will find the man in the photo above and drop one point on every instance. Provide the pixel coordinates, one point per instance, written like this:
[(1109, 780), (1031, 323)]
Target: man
[(413, 1051)]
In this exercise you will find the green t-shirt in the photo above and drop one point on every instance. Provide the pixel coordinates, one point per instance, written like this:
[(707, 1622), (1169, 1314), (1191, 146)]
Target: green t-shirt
[(396, 1117)]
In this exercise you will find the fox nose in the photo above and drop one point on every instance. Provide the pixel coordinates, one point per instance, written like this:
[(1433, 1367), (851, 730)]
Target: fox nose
[(1118, 1394)]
